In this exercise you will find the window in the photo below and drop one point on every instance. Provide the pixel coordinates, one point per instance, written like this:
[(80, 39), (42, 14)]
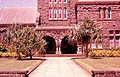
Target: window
[(93, 45), (60, 1), (111, 41), (117, 41), (111, 32), (99, 12), (100, 46), (55, 1), (50, 1), (104, 12), (50, 13), (109, 12), (60, 13), (117, 32), (55, 13), (65, 13), (65, 1)]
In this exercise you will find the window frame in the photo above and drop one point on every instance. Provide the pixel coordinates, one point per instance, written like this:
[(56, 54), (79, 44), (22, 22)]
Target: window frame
[(65, 13), (104, 12), (60, 13), (55, 1), (60, 1), (55, 13), (50, 0), (109, 12), (65, 1), (99, 10), (50, 13)]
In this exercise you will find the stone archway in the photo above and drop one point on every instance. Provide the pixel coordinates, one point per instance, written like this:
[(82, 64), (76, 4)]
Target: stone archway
[(66, 48), (51, 45)]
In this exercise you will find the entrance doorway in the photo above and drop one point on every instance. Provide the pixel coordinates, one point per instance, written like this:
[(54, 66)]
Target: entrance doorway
[(51, 45), (67, 48)]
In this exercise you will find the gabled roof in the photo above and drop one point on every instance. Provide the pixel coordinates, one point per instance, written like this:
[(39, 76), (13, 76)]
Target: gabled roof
[(22, 15), (99, 2)]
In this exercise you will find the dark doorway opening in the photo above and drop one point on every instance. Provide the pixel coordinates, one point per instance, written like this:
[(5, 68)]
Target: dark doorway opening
[(51, 45), (67, 48)]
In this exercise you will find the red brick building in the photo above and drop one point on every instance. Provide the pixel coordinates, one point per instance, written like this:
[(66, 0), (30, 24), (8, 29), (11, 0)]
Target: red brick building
[(57, 17)]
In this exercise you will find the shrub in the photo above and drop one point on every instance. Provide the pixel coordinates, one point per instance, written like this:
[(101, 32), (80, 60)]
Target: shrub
[(10, 54), (103, 53)]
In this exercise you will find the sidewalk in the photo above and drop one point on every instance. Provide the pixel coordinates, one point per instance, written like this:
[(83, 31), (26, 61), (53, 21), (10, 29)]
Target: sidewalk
[(59, 67)]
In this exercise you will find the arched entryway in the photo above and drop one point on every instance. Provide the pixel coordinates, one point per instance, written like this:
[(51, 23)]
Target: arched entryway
[(51, 45), (66, 48)]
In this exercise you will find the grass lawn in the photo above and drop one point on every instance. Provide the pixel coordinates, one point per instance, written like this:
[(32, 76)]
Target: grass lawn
[(104, 63), (7, 64)]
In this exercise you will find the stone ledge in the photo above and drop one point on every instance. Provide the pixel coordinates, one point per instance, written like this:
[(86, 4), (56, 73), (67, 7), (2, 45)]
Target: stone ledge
[(111, 73), (19, 73), (13, 73)]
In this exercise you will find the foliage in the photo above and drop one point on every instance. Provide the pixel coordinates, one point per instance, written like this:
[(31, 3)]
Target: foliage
[(85, 33), (24, 40), (102, 53), (8, 51), (3, 48)]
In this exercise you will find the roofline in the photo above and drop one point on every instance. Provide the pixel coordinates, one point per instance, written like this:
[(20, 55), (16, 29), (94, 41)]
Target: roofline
[(24, 24), (97, 3)]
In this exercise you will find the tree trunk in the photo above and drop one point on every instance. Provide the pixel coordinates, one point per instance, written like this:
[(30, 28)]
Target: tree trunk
[(30, 54), (19, 57)]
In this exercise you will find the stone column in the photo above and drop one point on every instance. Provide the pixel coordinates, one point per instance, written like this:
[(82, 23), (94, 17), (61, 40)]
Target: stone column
[(60, 47), (57, 48), (79, 49)]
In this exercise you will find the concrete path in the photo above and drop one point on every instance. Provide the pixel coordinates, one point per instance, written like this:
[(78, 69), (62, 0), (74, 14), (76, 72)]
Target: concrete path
[(59, 67)]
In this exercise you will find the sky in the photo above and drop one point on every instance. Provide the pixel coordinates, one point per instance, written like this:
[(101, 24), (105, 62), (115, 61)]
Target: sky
[(18, 3)]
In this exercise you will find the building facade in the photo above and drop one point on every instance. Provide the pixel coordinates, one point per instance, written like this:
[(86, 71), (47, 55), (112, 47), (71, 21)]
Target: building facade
[(57, 18)]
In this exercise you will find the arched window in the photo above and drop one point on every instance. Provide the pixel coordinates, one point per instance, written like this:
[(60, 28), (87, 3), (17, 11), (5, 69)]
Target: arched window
[(55, 13), (104, 12), (109, 12), (55, 1), (50, 1), (50, 13), (60, 13), (65, 13), (99, 12), (60, 1), (65, 1)]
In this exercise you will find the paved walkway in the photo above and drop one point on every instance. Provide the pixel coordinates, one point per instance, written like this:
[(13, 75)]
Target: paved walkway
[(59, 67)]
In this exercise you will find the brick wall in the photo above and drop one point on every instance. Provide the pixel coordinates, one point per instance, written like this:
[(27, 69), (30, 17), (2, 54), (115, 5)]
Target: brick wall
[(43, 9), (92, 11), (76, 13)]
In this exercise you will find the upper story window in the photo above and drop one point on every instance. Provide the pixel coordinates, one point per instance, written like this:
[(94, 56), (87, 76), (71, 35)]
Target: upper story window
[(55, 13), (60, 13), (60, 1), (65, 1), (104, 12), (50, 13), (99, 12), (55, 1), (65, 13), (109, 12), (50, 1)]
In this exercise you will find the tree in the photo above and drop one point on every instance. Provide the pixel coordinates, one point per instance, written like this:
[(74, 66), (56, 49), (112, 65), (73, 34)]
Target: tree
[(25, 40), (85, 33)]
